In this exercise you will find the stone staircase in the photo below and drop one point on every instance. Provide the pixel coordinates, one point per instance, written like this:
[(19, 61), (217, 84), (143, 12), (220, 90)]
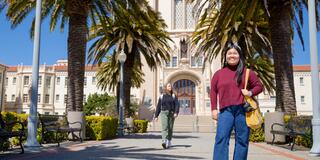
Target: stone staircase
[(187, 123)]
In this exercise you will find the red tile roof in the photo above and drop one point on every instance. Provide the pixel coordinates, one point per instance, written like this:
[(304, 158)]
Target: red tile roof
[(12, 69), (302, 68), (65, 68)]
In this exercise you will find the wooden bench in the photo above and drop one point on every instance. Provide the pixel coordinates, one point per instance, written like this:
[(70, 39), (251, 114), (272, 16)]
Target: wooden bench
[(296, 126), (58, 124), (6, 133)]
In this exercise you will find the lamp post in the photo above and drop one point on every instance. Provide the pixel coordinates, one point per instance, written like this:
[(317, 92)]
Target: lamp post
[(32, 119), (122, 58), (315, 150)]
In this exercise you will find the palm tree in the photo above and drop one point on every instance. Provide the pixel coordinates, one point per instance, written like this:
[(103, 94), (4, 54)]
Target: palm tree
[(281, 19), (108, 76), (76, 14), (247, 26), (136, 29)]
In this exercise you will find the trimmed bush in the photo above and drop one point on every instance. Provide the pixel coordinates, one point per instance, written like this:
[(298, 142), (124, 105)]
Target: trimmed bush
[(101, 127), (141, 126), (257, 135), (11, 117)]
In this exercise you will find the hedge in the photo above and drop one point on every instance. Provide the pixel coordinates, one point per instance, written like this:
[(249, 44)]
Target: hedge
[(257, 135), (100, 127), (141, 126), (97, 128)]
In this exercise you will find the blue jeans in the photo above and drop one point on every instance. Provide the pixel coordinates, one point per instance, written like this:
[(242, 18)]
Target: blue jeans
[(229, 118)]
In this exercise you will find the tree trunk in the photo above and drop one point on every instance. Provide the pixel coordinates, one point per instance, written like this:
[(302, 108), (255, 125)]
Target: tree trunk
[(281, 39), (127, 82), (77, 41)]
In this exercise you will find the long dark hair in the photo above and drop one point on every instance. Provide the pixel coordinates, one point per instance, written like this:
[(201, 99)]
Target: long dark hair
[(241, 64), (165, 91)]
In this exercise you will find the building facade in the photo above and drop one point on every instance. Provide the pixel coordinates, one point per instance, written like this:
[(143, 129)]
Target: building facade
[(3, 70), (52, 88)]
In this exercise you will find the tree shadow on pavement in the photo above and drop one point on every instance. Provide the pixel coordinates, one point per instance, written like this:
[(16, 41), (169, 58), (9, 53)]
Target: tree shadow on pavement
[(153, 136), (102, 152)]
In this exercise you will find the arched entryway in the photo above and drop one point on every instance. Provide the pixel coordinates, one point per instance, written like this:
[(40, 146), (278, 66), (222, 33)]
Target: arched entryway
[(186, 92)]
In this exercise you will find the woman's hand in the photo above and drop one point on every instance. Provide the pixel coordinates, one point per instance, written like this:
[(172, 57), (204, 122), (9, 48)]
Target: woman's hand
[(214, 114), (246, 92)]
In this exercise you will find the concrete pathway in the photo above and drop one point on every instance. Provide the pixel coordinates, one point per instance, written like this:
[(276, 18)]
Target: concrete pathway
[(147, 146)]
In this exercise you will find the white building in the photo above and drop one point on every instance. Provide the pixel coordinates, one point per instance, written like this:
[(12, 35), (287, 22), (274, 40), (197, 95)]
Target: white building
[(52, 91), (3, 69)]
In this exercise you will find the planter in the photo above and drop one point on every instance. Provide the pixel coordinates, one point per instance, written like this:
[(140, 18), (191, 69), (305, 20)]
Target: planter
[(269, 119)]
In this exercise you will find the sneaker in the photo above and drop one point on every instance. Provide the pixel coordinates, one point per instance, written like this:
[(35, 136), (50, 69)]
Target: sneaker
[(168, 144), (164, 146)]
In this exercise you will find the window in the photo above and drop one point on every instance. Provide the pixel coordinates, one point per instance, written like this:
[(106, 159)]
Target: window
[(168, 64), (208, 104), (39, 98), (301, 81), (272, 97), (25, 98), (13, 97), (84, 98), (197, 61), (57, 97), (46, 98), (183, 18), (56, 113), (302, 99), (65, 98), (65, 81), (193, 62), (200, 62), (85, 81), (26, 80), (46, 113), (58, 80), (40, 80), (174, 61), (6, 82), (48, 81), (94, 80), (14, 80)]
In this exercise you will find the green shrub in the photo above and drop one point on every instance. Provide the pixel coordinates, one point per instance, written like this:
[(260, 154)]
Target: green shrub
[(141, 126), (305, 140), (7, 118), (101, 127), (257, 135)]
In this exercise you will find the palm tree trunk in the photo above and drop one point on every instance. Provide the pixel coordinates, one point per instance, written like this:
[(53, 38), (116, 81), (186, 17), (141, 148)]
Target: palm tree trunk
[(77, 40), (128, 70), (281, 39)]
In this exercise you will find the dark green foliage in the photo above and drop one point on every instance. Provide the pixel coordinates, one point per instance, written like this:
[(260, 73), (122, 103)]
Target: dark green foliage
[(257, 135), (102, 104), (141, 126), (101, 127)]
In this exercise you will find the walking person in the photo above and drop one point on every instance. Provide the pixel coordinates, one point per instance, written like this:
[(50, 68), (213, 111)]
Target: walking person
[(168, 109), (227, 84)]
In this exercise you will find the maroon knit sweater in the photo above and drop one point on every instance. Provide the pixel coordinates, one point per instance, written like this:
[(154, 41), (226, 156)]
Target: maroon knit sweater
[(224, 85)]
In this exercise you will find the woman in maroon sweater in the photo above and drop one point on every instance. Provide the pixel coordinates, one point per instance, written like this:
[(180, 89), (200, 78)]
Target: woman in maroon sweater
[(227, 84)]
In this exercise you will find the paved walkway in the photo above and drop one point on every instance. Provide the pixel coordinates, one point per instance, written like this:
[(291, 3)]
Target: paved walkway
[(147, 146)]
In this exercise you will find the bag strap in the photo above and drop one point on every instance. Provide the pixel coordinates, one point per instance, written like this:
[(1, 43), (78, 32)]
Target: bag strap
[(247, 78)]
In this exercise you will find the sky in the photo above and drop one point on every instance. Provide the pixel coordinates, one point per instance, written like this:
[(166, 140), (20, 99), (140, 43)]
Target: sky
[(16, 46)]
